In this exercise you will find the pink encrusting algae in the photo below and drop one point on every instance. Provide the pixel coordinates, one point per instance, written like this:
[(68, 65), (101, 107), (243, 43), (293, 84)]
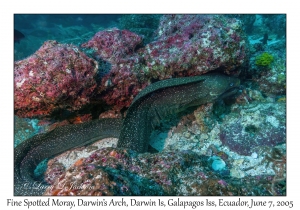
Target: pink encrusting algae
[(232, 145), (185, 45), (57, 76), (61, 76)]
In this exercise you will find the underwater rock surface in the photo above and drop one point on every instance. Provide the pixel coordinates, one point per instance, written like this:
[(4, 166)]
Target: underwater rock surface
[(258, 125), (185, 45), (57, 76), (234, 146), (111, 171)]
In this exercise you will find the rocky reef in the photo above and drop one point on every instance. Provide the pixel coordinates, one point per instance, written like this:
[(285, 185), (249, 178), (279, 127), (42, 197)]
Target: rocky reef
[(111, 171), (234, 146), (254, 126), (184, 45), (57, 76)]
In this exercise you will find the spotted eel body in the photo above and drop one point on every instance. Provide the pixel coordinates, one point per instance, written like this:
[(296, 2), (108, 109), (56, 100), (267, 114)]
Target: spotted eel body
[(165, 98), (34, 150), (154, 103)]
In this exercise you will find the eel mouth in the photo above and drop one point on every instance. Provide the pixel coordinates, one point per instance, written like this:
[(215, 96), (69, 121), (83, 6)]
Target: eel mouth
[(229, 92)]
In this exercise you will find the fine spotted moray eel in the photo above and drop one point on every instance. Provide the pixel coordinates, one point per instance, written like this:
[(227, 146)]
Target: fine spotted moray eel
[(153, 104)]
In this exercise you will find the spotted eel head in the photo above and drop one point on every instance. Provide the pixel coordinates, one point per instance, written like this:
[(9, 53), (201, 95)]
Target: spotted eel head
[(221, 86)]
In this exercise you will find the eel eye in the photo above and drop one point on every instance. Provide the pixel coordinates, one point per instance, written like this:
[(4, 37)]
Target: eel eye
[(231, 84)]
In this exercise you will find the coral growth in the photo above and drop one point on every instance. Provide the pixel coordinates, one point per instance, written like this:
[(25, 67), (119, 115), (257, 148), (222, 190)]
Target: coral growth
[(185, 45), (60, 76), (111, 171), (273, 81), (257, 126), (270, 85), (193, 45), (54, 77), (113, 45), (117, 47), (277, 158), (231, 147), (204, 117), (265, 59)]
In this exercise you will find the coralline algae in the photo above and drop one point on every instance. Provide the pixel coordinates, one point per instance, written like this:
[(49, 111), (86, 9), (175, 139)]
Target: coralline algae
[(112, 171), (57, 76), (247, 137), (258, 125)]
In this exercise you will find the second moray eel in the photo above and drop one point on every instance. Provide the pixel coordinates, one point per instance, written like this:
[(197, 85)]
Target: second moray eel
[(154, 103)]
